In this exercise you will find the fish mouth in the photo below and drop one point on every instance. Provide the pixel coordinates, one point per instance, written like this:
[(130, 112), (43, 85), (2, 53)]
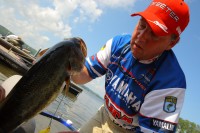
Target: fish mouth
[(83, 46)]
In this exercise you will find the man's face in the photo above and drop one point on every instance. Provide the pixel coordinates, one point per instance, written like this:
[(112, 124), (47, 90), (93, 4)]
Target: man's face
[(145, 44)]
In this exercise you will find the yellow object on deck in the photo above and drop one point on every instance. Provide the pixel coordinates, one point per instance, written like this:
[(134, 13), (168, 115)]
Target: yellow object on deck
[(46, 130)]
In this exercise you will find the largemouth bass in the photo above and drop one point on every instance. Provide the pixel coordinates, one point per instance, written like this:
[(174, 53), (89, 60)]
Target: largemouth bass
[(42, 83)]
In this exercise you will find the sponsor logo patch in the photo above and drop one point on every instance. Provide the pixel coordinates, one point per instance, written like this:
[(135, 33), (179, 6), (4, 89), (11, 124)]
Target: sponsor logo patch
[(170, 104), (163, 126)]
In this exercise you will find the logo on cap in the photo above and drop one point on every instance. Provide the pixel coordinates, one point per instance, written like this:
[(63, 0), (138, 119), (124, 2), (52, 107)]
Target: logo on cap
[(167, 9), (162, 26)]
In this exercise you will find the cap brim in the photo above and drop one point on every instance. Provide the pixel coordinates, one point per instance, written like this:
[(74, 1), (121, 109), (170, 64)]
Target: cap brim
[(157, 25)]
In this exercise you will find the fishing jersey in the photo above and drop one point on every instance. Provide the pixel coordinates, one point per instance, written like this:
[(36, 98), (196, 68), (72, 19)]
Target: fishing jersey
[(140, 96)]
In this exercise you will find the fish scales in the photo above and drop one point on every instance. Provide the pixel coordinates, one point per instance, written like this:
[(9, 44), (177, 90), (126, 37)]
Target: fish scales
[(42, 83)]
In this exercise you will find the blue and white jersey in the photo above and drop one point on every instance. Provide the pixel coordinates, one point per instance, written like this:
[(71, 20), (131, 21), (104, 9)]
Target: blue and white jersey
[(145, 97)]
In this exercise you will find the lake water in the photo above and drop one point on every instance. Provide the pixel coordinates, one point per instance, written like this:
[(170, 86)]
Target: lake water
[(77, 109)]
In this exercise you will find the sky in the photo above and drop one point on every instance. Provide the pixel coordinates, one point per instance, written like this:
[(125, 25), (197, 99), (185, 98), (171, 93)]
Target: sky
[(43, 23)]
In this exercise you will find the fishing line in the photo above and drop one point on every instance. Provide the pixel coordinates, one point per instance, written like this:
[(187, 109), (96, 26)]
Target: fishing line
[(47, 130), (56, 110)]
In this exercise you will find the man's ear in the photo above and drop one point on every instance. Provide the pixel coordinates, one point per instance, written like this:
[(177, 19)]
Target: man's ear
[(173, 43)]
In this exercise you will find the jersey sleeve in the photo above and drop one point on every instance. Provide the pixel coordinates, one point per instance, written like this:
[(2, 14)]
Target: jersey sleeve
[(97, 64), (160, 110), (163, 103)]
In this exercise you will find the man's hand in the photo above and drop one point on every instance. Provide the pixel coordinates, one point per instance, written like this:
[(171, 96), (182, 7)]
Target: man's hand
[(2, 93)]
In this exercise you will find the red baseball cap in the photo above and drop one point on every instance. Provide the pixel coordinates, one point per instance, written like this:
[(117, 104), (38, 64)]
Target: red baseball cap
[(166, 16)]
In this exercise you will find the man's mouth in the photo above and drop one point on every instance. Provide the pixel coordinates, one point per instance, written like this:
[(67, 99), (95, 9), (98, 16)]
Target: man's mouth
[(137, 46)]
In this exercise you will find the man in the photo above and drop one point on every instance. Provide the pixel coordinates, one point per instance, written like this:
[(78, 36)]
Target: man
[(144, 84)]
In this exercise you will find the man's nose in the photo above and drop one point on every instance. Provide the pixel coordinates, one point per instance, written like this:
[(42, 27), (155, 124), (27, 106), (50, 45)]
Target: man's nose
[(143, 35)]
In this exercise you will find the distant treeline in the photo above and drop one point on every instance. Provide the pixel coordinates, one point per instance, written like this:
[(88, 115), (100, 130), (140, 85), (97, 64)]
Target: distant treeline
[(185, 126), (5, 32)]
